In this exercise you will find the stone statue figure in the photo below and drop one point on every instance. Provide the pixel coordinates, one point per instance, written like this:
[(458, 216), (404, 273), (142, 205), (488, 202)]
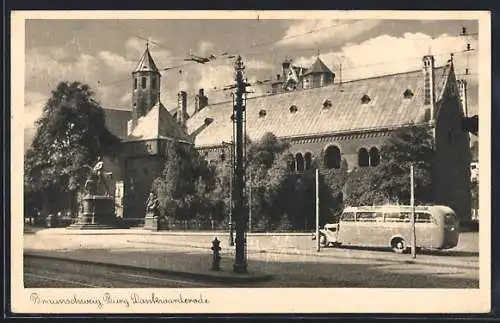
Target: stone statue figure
[(152, 205), (97, 179)]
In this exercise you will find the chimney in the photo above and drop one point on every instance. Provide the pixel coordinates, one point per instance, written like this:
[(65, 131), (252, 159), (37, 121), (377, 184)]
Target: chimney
[(462, 90), (201, 100), (181, 107), (429, 96)]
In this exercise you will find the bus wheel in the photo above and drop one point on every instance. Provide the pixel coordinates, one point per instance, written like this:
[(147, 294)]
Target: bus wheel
[(398, 245)]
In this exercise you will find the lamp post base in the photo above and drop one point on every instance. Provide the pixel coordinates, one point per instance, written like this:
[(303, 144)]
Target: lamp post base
[(240, 268), (231, 236)]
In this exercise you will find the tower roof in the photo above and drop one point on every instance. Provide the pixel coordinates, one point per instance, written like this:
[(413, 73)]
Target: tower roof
[(146, 63), (318, 67)]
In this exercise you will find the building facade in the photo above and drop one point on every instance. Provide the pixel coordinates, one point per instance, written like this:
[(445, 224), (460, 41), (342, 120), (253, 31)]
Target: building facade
[(335, 122)]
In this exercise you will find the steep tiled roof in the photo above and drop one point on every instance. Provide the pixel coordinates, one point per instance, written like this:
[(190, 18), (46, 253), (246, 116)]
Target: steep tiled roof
[(318, 67), (345, 111), (158, 123), (116, 121), (146, 63)]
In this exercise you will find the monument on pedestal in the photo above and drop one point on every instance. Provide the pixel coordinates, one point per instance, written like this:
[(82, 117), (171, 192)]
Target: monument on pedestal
[(152, 219), (97, 206)]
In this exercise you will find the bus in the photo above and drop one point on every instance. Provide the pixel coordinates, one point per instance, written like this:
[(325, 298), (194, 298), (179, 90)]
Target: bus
[(436, 227)]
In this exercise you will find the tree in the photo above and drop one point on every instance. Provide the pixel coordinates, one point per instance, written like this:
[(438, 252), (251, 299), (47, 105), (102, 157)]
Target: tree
[(390, 180), (184, 185), (70, 134)]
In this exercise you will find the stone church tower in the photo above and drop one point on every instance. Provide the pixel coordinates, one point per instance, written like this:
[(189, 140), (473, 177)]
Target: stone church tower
[(150, 131), (146, 87)]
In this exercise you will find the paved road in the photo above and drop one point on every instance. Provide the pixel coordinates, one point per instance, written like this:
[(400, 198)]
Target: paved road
[(289, 271), (50, 273)]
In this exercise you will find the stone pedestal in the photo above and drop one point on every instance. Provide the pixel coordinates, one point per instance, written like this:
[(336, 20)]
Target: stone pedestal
[(151, 222), (97, 212)]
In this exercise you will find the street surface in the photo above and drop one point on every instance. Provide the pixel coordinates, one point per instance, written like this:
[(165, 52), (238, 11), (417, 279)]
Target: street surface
[(43, 273), (293, 261)]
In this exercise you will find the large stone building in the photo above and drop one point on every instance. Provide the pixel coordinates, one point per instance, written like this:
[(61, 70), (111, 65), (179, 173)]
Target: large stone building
[(319, 117)]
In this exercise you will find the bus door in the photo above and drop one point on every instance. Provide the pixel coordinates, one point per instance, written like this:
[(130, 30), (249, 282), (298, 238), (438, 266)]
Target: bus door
[(427, 230)]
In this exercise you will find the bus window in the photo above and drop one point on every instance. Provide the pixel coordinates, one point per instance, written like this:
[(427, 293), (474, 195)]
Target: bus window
[(369, 217), (347, 217), (424, 218), (397, 217)]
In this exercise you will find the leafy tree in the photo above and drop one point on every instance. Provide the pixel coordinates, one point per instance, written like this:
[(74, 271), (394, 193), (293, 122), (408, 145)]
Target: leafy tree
[(264, 152), (390, 180), (70, 134), (184, 185)]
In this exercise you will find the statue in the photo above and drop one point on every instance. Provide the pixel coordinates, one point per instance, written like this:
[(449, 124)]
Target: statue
[(96, 178), (152, 205)]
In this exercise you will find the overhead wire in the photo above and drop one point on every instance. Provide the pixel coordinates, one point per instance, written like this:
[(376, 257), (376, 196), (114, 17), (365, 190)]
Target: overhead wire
[(260, 44)]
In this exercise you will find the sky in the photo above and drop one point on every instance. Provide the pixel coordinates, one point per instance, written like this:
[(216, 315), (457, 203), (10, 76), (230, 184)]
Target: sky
[(103, 53)]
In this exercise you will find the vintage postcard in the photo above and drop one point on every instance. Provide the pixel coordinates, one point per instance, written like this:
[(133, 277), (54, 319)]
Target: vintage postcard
[(250, 162)]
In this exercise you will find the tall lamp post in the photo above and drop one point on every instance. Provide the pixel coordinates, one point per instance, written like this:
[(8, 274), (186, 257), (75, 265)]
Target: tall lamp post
[(231, 177), (239, 210)]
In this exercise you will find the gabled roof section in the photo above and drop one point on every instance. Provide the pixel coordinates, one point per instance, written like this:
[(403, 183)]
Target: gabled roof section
[(116, 121), (387, 108), (146, 63), (318, 67), (158, 124)]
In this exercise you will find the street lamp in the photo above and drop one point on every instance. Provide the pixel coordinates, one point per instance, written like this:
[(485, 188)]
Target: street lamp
[(231, 237)]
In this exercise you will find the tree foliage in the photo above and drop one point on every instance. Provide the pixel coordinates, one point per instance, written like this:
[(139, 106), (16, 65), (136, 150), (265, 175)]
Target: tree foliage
[(71, 133), (389, 182), (184, 185)]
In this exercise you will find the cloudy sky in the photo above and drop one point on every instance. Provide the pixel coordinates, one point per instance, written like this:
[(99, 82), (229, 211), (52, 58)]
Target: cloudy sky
[(102, 53)]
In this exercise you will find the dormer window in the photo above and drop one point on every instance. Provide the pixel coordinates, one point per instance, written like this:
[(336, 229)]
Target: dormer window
[(293, 109), (365, 99), (262, 113), (327, 104), (408, 94)]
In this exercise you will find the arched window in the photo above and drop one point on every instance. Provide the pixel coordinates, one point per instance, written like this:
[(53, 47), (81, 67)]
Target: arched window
[(291, 163), (374, 157), (153, 83), (363, 158), (299, 162), (135, 83), (332, 157), (143, 82), (307, 160)]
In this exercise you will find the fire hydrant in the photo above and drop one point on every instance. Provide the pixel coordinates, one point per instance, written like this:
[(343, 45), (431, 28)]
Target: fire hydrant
[(216, 254)]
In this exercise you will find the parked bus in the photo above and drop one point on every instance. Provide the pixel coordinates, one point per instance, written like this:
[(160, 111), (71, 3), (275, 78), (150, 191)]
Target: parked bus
[(436, 227)]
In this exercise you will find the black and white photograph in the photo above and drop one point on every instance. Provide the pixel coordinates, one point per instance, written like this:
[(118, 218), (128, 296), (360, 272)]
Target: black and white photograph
[(250, 161)]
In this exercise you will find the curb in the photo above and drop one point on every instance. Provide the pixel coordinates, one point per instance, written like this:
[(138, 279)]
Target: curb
[(174, 273), (292, 253), (140, 232)]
